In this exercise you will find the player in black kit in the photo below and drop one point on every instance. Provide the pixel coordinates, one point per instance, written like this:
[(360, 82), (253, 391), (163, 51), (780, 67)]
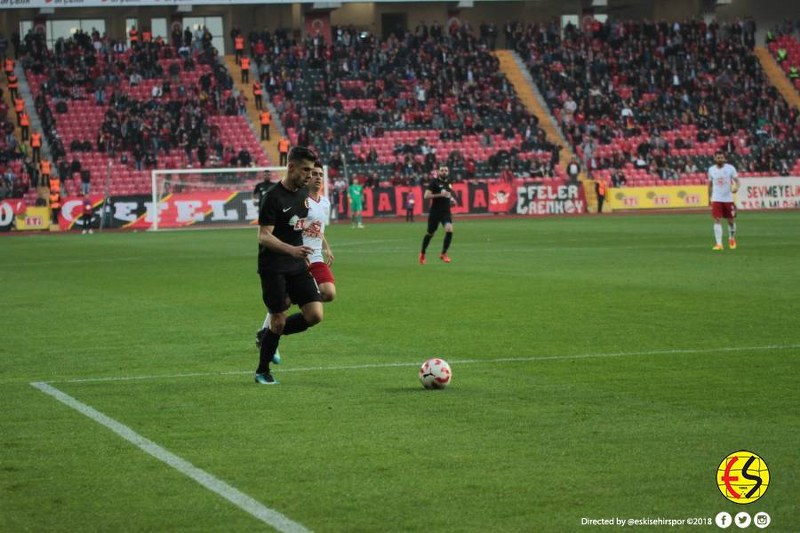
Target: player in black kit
[(441, 196), (282, 264), (261, 187)]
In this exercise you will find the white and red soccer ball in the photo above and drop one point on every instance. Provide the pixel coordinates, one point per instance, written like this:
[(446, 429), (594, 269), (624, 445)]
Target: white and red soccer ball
[(435, 374)]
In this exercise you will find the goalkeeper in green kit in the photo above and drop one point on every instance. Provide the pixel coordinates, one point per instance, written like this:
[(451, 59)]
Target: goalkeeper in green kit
[(356, 194)]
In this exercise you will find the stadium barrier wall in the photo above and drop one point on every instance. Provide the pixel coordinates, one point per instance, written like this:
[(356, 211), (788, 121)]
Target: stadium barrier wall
[(232, 207), (670, 197), (515, 198), (769, 193), (34, 218), (10, 211)]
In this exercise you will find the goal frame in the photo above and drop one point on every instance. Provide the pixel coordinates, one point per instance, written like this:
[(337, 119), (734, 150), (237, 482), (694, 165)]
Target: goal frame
[(156, 182)]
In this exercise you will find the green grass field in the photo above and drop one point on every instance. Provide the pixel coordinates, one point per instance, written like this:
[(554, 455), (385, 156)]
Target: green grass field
[(603, 367)]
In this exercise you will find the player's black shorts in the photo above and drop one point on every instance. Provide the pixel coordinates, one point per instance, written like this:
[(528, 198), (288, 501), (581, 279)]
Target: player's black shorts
[(437, 217), (300, 286)]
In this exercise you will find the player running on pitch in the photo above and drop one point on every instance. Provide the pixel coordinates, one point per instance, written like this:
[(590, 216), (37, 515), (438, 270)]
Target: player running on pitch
[(283, 260), (441, 196), (319, 212), (321, 258)]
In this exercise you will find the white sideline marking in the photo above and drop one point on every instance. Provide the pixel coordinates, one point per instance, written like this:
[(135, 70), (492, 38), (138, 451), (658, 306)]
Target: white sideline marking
[(237, 498), (452, 361)]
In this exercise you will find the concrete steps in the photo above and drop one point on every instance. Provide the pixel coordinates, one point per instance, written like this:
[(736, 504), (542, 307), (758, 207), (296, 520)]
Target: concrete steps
[(510, 65), (253, 114), (777, 77)]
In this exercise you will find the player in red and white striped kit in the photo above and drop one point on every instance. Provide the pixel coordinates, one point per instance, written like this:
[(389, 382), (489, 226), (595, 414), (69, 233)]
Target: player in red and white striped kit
[(723, 182), (319, 212)]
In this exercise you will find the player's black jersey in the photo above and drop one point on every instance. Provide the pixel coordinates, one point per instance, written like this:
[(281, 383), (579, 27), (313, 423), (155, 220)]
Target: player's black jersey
[(258, 192), (441, 205), (286, 211)]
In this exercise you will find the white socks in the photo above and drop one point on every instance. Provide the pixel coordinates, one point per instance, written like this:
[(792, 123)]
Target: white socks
[(718, 232)]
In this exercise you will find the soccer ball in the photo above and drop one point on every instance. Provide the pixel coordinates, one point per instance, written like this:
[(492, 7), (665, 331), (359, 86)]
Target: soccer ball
[(435, 374)]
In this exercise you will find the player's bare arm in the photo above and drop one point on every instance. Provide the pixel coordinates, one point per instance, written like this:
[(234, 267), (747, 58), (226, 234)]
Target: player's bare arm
[(266, 238)]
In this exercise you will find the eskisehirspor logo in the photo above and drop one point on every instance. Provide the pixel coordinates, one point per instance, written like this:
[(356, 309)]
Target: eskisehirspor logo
[(743, 477)]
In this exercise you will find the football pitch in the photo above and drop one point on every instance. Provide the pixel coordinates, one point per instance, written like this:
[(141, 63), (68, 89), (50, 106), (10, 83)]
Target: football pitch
[(603, 369)]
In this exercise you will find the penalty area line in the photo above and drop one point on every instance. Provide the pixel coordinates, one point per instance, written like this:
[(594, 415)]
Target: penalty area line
[(239, 499), (367, 366)]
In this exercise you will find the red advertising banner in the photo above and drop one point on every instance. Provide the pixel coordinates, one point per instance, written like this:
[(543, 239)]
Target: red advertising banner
[(540, 199), (72, 210), (176, 210), (502, 197), (9, 209), (238, 208), (401, 195)]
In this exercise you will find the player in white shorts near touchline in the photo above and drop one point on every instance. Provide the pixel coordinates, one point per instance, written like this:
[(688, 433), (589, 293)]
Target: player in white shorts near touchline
[(723, 182)]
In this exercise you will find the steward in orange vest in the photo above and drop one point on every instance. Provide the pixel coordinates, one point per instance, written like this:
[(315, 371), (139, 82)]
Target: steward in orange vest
[(283, 150), (24, 125), (8, 66), (46, 168), (258, 91), (134, 35), (147, 36), (55, 197), (600, 189), (265, 119), (36, 142), (238, 45), (13, 85), (19, 106), (245, 69)]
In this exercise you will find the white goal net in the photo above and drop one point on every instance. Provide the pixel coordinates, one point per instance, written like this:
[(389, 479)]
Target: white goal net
[(209, 196)]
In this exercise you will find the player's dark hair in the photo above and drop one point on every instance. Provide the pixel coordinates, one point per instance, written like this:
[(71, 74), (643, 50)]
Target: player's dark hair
[(718, 152), (317, 164), (302, 153)]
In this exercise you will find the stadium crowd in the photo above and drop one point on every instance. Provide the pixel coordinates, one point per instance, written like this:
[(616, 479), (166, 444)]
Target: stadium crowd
[(631, 93), (655, 97), (443, 83), (12, 183), (151, 98)]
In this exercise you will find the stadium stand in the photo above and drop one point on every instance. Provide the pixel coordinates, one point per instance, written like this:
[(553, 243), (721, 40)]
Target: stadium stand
[(644, 100), (13, 179), (785, 48), (107, 109), (394, 108), (655, 100)]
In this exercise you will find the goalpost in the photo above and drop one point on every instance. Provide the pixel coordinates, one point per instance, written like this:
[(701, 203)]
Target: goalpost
[(186, 182)]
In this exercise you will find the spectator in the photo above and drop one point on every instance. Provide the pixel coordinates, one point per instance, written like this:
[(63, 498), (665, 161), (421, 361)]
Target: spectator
[(618, 178), (573, 169), (537, 170), (86, 182), (245, 158)]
